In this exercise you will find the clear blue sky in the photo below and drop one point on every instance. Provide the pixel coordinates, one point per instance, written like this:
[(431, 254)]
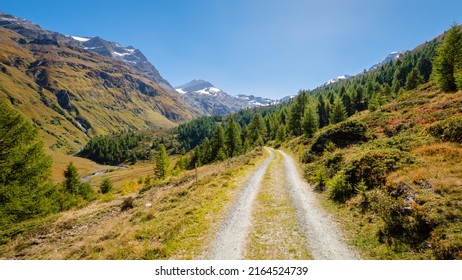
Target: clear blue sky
[(263, 47)]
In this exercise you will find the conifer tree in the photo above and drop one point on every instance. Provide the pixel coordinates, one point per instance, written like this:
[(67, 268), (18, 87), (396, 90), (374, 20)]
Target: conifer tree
[(217, 144), (233, 139), (24, 170), (73, 184), (72, 179), (447, 65), (297, 110), (256, 129), (413, 79), (310, 121), (162, 163), (323, 112), (281, 134), (339, 113), (106, 186)]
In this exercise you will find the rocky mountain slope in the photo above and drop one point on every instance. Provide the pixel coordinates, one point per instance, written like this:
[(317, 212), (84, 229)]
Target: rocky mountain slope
[(213, 100), (73, 92), (390, 57)]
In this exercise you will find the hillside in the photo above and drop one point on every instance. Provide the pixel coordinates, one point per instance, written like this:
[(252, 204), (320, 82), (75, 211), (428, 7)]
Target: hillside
[(72, 93), (409, 205)]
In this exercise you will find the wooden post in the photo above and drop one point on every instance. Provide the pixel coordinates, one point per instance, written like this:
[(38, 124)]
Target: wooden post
[(195, 166)]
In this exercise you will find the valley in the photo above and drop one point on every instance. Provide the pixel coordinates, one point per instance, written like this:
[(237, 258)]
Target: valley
[(101, 158)]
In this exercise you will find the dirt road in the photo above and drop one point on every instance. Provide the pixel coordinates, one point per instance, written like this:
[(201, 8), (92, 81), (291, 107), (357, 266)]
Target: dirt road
[(229, 242), (324, 241), (312, 230)]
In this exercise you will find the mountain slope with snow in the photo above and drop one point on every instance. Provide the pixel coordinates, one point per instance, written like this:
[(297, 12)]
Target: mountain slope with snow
[(213, 100)]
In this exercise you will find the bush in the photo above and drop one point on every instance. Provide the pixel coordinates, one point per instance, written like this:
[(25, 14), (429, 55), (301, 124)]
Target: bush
[(106, 186), (320, 178), (127, 204), (404, 220), (307, 157), (448, 130), (334, 163), (374, 166), (339, 189), (342, 135)]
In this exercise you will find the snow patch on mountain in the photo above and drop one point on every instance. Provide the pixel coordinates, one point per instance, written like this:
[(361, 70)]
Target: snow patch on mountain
[(390, 57), (80, 39)]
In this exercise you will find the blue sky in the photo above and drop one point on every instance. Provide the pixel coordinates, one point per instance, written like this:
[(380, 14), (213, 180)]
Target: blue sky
[(263, 47)]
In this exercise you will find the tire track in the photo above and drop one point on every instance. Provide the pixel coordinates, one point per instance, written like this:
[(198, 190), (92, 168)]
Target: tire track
[(230, 240), (324, 241)]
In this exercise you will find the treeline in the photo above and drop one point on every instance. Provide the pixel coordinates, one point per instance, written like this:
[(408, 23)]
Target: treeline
[(124, 147)]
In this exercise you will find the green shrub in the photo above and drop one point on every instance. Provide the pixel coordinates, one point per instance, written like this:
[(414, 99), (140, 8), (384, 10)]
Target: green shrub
[(374, 166), (307, 157), (405, 221), (106, 186), (334, 163), (320, 179), (448, 130), (342, 135), (339, 189)]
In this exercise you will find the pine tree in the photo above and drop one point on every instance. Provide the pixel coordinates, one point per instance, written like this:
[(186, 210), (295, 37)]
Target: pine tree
[(217, 144), (162, 163), (72, 179), (339, 113), (106, 186), (297, 110), (281, 134), (24, 170), (447, 65), (310, 121), (233, 139), (323, 111), (73, 184), (413, 79), (256, 129)]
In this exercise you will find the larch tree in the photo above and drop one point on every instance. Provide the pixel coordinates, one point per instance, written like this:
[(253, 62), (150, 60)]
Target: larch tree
[(310, 121), (233, 139), (162, 167), (25, 191), (447, 65), (339, 112)]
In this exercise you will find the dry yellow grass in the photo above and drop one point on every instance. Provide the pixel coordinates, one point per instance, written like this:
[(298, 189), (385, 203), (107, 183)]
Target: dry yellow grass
[(179, 222)]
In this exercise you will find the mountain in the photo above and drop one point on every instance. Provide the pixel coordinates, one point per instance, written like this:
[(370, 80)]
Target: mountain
[(127, 54), (390, 57), (214, 101), (74, 88), (339, 78)]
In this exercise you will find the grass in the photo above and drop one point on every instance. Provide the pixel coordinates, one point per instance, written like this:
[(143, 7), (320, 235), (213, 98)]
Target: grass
[(179, 223), (275, 233)]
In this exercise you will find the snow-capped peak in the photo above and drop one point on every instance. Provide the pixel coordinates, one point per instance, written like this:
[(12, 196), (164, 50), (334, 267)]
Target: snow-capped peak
[(390, 57), (80, 39)]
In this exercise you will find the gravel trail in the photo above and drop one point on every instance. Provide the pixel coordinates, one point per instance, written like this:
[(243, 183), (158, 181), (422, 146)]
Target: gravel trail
[(324, 241), (230, 241)]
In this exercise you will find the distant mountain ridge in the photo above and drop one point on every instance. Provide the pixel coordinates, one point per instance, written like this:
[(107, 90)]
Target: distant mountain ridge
[(214, 100), (128, 54), (79, 87), (390, 57)]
